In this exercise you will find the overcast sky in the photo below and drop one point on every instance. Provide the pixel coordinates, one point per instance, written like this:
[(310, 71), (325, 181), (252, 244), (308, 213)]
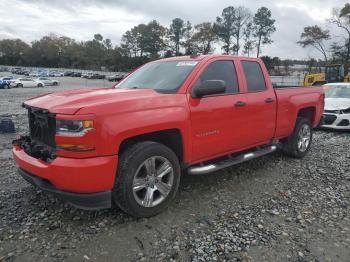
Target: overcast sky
[(81, 19)]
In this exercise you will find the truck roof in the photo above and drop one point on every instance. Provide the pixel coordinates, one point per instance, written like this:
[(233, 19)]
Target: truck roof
[(196, 57)]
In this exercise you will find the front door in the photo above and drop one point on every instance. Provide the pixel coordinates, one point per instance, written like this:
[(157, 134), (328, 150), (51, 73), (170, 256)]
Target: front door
[(217, 120)]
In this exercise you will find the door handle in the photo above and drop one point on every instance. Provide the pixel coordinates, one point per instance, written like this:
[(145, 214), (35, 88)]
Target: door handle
[(240, 104), (269, 100)]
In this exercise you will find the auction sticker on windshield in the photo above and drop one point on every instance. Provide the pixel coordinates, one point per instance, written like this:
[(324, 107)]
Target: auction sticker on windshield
[(187, 63)]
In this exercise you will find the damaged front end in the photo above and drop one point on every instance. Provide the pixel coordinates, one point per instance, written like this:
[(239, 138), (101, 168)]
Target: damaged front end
[(35, 149), (40, 143)]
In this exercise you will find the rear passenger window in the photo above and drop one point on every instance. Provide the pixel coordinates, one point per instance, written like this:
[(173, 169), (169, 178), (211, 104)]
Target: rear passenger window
[(254, 76), (221, 70)]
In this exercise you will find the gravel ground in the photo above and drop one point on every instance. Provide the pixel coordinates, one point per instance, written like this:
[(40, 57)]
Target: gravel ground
[(273, 208)]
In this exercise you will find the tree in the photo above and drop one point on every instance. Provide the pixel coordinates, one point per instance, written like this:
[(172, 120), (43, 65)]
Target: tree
[(154, 38), (341, 18), (129, 43), (339, 52), (263, 27), (188, 44), (176, 33), (242, 17), (249, 42), (314, 36), (224, 27), (13, 52), (204, 38)]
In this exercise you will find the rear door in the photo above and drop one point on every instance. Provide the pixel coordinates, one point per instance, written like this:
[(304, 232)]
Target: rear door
[(261, 104), (217, 120)]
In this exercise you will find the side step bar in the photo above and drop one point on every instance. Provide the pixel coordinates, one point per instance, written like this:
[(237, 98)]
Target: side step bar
[(204, 169)]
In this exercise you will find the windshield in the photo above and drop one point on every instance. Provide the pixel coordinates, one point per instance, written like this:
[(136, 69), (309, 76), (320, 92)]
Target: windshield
[(164, 77), (338, 91)]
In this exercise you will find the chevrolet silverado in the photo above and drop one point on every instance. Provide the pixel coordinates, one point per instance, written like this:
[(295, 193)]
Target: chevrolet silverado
[(131, 143)]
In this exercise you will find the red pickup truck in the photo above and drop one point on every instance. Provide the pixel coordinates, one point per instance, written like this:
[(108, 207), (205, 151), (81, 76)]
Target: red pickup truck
[(130, 144)]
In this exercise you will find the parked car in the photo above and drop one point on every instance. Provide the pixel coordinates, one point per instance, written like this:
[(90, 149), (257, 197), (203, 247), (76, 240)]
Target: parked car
[(34, 74), (98, 76), (87, 75), (337, 106), (68, 73), (55, 74), (26, 82), (77, 74), (4, 84), (7, 78), (15, 70), (116, 77), (47, 81), (190, 114)]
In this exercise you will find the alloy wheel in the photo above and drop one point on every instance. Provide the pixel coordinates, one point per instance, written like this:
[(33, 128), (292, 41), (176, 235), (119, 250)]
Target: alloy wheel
[(304, 138), (153, 181)]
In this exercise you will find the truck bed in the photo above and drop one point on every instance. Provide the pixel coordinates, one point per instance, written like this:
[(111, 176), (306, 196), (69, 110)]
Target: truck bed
[(290, 100)]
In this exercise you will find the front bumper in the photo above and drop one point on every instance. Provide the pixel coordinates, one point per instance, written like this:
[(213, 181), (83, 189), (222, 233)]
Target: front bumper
[(90, 180), (336, 121), (93, 201)]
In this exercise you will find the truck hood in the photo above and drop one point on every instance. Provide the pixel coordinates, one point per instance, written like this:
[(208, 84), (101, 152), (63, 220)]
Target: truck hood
[(337, 103), (70, 102)]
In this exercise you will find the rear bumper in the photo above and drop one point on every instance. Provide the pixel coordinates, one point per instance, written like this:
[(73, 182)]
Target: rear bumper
[(92, 201), (86, 183)]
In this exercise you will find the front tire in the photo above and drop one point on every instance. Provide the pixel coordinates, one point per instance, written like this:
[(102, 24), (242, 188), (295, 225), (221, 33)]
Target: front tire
[(147, 180), (298, 143), (40, 85)]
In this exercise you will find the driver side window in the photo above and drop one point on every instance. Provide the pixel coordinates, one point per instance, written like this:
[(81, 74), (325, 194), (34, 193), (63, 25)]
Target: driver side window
[(221, 70)]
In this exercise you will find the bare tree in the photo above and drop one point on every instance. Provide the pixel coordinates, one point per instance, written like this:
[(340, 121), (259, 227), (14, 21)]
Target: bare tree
[(249, 42), (242, 17), (314, 36), (341, 18)]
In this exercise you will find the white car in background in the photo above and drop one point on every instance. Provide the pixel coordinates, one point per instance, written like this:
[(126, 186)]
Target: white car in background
[(337, 106), (47, 81), (26, 82)]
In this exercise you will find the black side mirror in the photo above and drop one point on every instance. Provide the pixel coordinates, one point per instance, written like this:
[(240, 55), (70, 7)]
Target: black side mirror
[(209, 87)]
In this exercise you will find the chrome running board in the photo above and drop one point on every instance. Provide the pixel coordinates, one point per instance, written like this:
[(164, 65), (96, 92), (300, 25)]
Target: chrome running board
[(232, 160)]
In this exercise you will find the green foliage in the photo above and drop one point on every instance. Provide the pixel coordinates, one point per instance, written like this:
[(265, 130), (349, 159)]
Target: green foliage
[(224, 27), (263, 27), (203, 38), (176, 33)]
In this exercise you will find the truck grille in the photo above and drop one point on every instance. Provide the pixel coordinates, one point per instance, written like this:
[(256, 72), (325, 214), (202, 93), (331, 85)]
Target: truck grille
[(42, 126)]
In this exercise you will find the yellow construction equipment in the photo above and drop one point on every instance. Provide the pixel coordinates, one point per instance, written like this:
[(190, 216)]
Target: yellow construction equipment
[(332, 74)]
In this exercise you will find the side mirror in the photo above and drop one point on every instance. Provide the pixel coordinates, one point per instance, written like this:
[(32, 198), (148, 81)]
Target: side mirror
[(209, 87)]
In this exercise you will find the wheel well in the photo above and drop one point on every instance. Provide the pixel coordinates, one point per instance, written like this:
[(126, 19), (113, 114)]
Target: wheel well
[(171, 138), (308, 113)]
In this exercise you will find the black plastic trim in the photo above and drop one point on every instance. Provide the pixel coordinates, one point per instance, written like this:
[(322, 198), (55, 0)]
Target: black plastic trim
[(91, 201)]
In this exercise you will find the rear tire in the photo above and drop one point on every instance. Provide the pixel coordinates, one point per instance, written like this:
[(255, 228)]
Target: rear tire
[(40, 85), (19, 85), (298, 143), (147, 180)]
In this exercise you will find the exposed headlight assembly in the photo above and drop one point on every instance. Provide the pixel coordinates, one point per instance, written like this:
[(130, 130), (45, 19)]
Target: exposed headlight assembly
[(73, 127)]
